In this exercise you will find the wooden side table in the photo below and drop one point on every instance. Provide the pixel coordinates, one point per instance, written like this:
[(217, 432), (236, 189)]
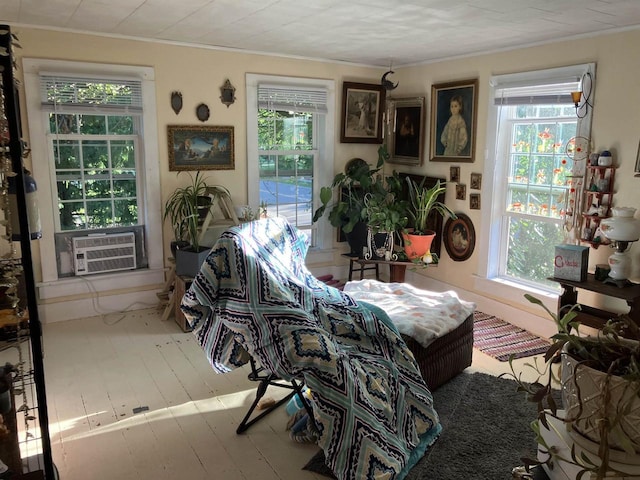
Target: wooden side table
[(181, 286), (596, 317), (397, 270)]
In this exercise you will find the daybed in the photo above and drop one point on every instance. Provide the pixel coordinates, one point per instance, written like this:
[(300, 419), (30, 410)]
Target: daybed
[(436, 326), (254, 298)]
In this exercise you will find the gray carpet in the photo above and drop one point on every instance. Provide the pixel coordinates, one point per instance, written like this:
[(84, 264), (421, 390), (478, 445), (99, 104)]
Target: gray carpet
[(485, 432)]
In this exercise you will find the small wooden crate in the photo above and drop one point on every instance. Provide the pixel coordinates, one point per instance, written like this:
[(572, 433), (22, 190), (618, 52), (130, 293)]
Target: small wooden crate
[(182, 285)]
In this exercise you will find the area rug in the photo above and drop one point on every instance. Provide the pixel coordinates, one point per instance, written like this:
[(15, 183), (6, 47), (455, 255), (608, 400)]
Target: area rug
[(485, 431), (500, 339)]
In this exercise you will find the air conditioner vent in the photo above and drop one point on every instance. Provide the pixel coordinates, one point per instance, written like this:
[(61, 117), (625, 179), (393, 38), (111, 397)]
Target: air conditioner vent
[(104, 253)]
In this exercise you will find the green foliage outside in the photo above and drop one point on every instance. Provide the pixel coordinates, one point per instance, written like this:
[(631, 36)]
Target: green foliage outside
[(539, 183)]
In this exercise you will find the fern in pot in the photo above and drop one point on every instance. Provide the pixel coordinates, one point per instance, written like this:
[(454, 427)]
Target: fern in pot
[(600, 384)]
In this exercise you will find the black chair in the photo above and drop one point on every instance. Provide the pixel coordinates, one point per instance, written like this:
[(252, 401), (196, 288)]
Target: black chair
[(259, 374)]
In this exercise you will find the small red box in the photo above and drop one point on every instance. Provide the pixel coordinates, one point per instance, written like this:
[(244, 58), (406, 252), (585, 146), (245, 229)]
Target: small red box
[(571, 262)]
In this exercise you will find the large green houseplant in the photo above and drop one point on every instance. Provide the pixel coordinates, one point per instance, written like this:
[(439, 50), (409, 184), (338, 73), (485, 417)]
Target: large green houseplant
[(423, 202), (607, 415), (185, 209), (348, 212)]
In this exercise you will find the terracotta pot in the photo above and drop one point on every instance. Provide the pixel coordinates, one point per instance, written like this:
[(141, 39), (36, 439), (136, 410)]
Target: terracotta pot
[(415, 246), (583, 399)]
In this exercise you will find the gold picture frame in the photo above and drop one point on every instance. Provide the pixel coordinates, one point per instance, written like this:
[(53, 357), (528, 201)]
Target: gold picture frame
[(453, 134), (405, 139), (199, 147)]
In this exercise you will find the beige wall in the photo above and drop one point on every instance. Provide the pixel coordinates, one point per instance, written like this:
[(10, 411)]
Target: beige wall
[(198, 73)]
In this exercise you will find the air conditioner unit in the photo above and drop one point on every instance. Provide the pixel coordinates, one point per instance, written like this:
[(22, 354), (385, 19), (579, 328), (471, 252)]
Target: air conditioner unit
[(104, 253)]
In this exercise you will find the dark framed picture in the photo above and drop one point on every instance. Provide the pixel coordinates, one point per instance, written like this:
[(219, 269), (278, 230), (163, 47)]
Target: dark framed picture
[(197, 147), (406, 136), (461, 191), (454, 173), (474, 201), (476, 181), (453, 121), (362, 108), (459, 237)]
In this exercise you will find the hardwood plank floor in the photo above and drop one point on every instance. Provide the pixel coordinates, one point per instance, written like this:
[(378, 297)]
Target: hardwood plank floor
[(99, 369)]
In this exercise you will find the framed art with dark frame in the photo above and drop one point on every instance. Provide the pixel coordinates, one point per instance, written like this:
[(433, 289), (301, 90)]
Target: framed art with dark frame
[(198, 147), (453, 121), (459, 237), (406, 135), (362, 107)]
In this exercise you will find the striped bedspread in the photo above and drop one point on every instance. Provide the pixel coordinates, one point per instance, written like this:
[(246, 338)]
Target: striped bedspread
[(255, 296)]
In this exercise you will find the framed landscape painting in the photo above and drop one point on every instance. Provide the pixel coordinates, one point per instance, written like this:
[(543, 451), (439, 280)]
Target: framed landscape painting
[(453, 121), (199, 147), (362, 108)]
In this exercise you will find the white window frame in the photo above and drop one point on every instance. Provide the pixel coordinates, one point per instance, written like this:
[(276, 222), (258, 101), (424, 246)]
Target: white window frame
[(323, 168), (43, 166), (489, 279)]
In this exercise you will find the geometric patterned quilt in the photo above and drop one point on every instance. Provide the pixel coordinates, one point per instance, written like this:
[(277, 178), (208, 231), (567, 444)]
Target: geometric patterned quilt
[(254, 296)]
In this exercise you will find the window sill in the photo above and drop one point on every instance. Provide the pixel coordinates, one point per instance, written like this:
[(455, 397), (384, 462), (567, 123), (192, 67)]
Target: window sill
[(82, 285), (514, 292)]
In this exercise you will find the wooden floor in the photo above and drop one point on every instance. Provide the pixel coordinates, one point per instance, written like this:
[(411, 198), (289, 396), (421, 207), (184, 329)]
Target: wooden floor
[(101, 370)]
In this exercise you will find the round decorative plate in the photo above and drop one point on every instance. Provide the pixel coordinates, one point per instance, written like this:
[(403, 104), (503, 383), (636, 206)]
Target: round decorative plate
[(578, 148), (202, 112)]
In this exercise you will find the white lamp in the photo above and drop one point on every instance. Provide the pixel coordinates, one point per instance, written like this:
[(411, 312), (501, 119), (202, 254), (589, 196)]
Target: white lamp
[(622, 229)]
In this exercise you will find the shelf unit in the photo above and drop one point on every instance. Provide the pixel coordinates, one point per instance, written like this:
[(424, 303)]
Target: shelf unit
[(598, 201), (21, 339)]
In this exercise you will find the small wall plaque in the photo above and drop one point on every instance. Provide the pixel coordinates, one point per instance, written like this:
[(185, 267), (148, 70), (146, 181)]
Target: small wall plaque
[(176, 102)]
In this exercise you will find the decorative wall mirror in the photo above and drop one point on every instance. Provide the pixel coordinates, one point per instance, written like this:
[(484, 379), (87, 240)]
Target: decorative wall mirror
[(228, 93)]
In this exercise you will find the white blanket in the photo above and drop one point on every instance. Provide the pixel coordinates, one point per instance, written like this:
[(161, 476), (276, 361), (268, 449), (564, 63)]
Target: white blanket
[(421, 314)]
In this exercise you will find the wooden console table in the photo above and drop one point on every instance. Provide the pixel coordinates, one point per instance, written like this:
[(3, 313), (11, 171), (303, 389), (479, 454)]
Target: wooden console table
[(591, 316)]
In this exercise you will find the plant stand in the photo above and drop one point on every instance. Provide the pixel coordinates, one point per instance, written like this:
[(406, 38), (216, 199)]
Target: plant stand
[(558, 437)]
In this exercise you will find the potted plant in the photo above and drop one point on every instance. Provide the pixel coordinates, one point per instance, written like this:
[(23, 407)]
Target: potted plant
[(423, 202), (348, 212), (386, 216), (186, 209), (605, 415)]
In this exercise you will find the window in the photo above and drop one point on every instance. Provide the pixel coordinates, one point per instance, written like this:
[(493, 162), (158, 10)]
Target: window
[(537, 183), (94, 133), (289, 144), (97, 168)]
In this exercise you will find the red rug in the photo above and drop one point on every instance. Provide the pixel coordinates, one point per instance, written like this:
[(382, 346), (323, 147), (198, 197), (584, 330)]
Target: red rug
[(500, 339)]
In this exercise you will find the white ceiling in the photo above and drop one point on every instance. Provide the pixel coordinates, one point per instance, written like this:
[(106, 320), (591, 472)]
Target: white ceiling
[(370, 32)]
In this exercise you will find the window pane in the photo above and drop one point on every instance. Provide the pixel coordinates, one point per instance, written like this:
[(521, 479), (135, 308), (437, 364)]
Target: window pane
[(124, 188), (93, 124), (95, 154), (99, 213), (63, 123), (72, 216), (280, 130), (67, 154), (126, 212), (122, 154), (531, 244), (69, 186), (98, 186), (120, 125)]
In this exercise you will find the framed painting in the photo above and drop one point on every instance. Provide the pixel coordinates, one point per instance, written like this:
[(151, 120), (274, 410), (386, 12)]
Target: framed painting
[(459, 237), (476, 181), (474, 201), (198, 147), (362, 108), (454, 174), (453, 121), (406, 136)]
